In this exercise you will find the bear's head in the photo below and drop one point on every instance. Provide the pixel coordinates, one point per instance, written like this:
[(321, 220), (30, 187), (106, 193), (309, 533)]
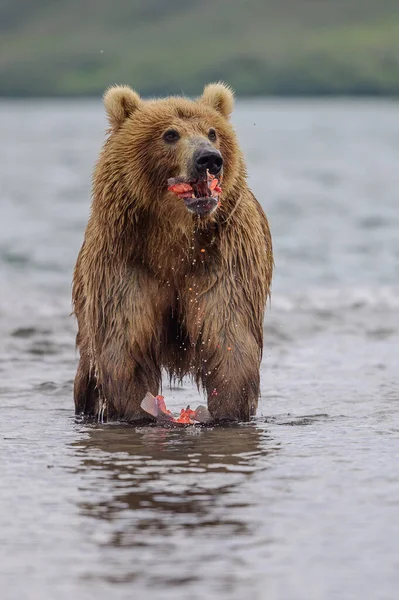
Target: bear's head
[(159, 144)]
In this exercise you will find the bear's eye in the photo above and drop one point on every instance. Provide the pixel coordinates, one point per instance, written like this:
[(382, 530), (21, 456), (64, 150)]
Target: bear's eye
[(171, 136), (212, 135)]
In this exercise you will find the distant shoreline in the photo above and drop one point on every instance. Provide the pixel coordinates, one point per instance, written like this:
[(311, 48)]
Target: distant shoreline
[(262, 48)]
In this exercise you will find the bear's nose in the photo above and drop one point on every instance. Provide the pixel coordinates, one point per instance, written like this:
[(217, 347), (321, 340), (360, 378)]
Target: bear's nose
[(208, 160)]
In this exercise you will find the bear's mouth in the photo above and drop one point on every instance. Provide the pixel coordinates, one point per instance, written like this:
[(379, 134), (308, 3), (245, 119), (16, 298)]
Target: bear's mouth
[(201, 196)]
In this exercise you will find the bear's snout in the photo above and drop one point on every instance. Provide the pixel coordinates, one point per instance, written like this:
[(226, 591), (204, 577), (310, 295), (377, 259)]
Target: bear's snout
[(207, 159)]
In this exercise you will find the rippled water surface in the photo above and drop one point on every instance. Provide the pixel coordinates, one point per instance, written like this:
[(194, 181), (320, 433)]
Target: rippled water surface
[(300, 504)]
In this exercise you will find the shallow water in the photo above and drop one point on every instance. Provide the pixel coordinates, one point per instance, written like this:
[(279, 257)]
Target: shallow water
[(301, 503)]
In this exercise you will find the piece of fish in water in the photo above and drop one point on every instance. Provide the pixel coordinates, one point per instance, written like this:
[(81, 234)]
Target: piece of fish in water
[(155, 406), (150, 405)]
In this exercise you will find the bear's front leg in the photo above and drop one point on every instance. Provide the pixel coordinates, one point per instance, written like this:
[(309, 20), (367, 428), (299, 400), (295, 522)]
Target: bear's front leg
[(125, 328), (230, 376), (124, 377), (226, 333)]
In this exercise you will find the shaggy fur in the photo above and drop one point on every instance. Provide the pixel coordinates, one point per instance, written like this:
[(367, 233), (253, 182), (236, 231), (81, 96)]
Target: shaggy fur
[(156, 287)]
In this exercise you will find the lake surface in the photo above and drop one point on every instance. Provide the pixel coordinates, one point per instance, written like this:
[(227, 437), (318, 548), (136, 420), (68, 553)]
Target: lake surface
[(300, 504)]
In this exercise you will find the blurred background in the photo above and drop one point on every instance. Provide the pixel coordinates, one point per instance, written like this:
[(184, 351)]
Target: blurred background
[(284, 47), (301, 503)]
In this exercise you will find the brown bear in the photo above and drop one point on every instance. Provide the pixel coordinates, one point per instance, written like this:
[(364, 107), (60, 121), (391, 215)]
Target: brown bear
[(171, 278)]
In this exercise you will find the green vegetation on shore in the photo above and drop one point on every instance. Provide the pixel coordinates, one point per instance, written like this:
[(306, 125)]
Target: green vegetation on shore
[(287, 47)]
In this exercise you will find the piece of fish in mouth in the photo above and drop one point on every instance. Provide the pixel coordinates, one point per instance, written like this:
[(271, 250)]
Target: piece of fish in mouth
[(184, 190), (204, 187), (201, 189)]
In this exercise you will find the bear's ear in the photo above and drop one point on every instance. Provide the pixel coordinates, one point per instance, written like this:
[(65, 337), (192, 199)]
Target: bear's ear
[(220, 97), (120, 102)]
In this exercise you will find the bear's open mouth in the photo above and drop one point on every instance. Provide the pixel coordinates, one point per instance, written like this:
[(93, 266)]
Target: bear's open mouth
[(200, 196)]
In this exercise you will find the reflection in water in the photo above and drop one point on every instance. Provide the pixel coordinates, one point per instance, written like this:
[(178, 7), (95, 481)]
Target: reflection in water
[(176, 498)]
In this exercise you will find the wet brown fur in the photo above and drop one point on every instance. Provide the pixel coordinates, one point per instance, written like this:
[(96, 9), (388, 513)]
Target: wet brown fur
[(145, 296)]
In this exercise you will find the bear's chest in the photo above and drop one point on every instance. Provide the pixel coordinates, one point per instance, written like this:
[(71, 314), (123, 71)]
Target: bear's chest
[(177, 261)]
